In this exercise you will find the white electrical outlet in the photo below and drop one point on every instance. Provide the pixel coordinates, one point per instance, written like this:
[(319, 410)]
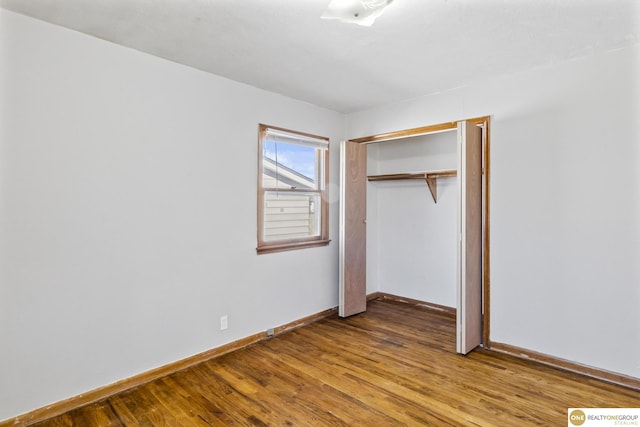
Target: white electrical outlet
[(224, 322)]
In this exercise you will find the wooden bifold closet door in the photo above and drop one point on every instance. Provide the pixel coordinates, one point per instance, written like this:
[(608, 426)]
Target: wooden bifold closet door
[(353, 230), (469, 310)]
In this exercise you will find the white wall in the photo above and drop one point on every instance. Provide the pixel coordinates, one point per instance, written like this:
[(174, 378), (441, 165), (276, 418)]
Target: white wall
[(565, 202), (412, 240), (115, 256)]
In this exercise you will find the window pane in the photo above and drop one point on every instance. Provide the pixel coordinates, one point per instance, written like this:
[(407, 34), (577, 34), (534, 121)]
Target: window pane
[(289, 166), (292, 183), (291, 215)]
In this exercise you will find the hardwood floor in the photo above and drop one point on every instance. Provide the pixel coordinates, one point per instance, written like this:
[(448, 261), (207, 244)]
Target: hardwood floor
[(393, 365)]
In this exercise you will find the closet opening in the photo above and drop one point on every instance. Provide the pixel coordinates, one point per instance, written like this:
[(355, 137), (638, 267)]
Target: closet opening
[(414, 221)]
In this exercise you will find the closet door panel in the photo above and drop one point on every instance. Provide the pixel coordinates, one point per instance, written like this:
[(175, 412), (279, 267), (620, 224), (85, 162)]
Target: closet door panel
[(353, 210), (469, 315)]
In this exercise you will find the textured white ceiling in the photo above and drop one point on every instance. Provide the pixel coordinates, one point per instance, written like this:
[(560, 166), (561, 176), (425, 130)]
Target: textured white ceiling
[(415, 48)]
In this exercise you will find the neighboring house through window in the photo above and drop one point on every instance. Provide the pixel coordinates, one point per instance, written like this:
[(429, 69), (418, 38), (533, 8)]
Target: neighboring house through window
[(292, 190)]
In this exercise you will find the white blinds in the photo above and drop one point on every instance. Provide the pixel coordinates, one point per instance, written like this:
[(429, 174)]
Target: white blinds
[(275, 135)]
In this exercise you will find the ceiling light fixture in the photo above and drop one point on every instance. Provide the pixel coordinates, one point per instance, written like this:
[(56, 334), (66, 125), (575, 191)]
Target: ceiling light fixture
[(361, 12)]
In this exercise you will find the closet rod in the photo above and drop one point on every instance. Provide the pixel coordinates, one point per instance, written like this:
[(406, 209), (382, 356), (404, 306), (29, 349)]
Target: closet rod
[(429, 177)]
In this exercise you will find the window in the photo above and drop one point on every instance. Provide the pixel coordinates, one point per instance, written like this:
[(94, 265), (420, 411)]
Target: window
[(293, 170)]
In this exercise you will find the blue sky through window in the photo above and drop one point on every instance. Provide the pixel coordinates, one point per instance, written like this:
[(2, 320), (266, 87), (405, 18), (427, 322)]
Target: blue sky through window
[(300, 158)]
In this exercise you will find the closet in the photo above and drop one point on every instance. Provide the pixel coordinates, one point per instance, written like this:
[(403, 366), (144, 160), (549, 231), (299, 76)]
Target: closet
[(427, 206), (411, 217)]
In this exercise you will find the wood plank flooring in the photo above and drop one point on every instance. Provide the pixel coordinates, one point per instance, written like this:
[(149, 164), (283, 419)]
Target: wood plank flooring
[(393, 365)]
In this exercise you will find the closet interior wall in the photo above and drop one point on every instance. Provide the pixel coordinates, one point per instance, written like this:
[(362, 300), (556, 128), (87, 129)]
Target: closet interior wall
[(411, 241)]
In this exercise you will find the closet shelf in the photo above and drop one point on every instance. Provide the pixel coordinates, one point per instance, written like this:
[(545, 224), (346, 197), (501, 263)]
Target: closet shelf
[(430, 178)]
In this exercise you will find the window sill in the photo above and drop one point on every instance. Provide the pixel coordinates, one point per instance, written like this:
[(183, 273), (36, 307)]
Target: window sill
[(291, 246)]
